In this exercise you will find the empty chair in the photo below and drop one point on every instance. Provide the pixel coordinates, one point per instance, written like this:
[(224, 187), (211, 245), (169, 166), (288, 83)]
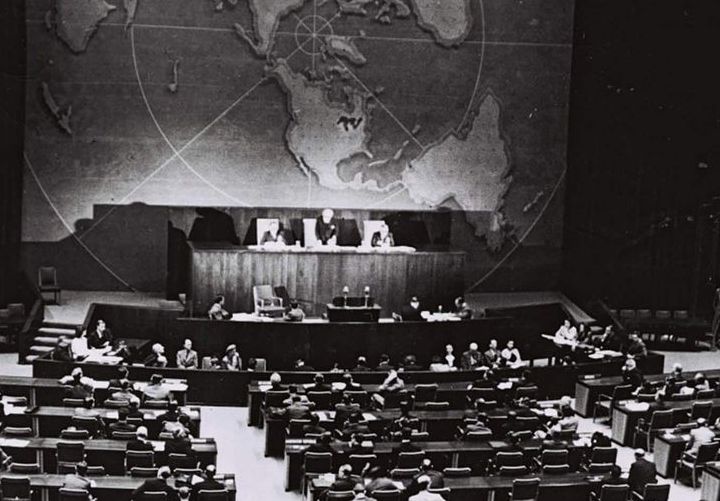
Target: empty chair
[(425, 392), (95, 471), (653, 492), (703, 394), (155, 404), (145, 459), (420, 436), (358, 397), (612, 493), (513, 471), (441, 491), (15, 488), (526, 392), (509, 459), (18, 431), (275, 398), (465, 471), (123, 435), (143, 472), (627, 314), (701, 410), (437, 406), (114, 404), (73, 402), (295, 428), (478, 435), (340, 495), (75, 434), (24, 467), (485, 393), (400, 473), (643, 314), (70, 453), (602, 459), (556, 469), (321, 399), (73, 494), (525, 489), (659, 420), (388, 495), (606, 402), (151, 496), (86, 423), (410, 459), (315, 464), (266, 303), (554, 457), (681, 397), (48, 282), (213, 495), (681, 314), (696, 463), (181, 461), (599, 468), (358, 461)]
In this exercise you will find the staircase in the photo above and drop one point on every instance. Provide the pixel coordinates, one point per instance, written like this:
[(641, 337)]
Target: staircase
[(46, 338)]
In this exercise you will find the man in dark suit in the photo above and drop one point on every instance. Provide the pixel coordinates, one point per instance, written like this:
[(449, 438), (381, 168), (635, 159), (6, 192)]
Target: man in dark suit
[(345, 480), (472, 358), (344, 409), (642, 472), (209, 484), (179, 443), (322, 444), (121, 424), (437, 480), (361, 365), (319, 384), (631, 375), (158, 484), (411, 311), (326, 228), (276, 382), (140, 443), (298, 409), (101, 337), (350, 384), (123, 375)]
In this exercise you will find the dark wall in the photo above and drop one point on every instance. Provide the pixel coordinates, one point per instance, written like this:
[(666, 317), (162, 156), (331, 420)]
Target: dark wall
[(12, 113), (644, 152)]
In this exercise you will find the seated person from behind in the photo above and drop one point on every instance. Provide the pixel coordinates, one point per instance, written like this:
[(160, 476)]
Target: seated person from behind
[(157, 358), (141, 442), (217, 310), (186, 358), (323, 444), (79, 479), (437, 480), (461, 309), (122, 423), (406, 444), (350, 384), (642, 472), (511, 355), (354, 426), (424, 483), (295, 313), (438, 365), (156, 389), (101, 337), (699, 436), (411, 312), (382, 237), (298, 409), (568, 421), (209, 483), (636, 346), (314, 426), (231, 360), (614, 477), (79, 386), (276, 382), (410, 363), (179, 443), (158, 484), (134, 410), (345, 480), (384, 364), (62, 352), (361, 365), (319, 384), (300, 365), (378, 480), (122, 373), (701, 382), (392, 382), (326, 228), (344, 409), (273, 235), (125, 394)]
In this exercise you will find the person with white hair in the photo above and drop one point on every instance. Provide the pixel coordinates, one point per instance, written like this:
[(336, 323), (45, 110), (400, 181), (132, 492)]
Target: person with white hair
[(382, 237), (157, 358), (642, 472), (326, 228), (424, 482), (631, 375), (156, 389), (699, 436), (471, 359), (231, 360), (80, 386), (158, 484), (392, 382), (140, 442)]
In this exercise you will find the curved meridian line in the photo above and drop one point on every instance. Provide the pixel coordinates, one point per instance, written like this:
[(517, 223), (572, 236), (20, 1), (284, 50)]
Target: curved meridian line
[(480, 67), (524, 236), (162, 132), (69, 229)]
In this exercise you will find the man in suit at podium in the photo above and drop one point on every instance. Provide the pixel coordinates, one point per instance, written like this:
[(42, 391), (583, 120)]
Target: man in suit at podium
[(273, 235), (411, 312), (326, 228)]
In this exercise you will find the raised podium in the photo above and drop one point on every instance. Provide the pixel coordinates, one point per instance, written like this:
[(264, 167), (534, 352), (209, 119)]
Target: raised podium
[(353, 309)]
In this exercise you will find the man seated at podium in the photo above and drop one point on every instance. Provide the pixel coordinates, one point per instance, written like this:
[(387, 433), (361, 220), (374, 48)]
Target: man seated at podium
[(411, 312), (382, 237), (217, 310), (273, 236), (326, 228)]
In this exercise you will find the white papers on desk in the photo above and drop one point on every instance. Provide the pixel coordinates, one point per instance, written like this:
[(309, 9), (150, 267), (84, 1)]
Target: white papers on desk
[(264, 386), (637, 406), (14, 442), (158, 445), (338, 386), (369, 417), (111, 414), (505, 385), (13, 410)]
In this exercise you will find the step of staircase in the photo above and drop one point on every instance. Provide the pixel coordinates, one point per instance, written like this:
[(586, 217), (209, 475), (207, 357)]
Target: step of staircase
[(40, 350), (30, 358), (55, 332), (45, 340), (60, 325)]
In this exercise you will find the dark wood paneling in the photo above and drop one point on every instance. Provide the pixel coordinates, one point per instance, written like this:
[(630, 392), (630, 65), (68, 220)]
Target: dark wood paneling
[(314, 278)]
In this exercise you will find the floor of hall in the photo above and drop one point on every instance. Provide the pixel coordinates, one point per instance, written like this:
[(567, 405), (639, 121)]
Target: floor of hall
[(240, 447)]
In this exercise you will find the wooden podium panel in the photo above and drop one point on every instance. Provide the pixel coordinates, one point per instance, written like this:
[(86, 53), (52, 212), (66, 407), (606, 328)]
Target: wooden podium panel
[(314, 278)]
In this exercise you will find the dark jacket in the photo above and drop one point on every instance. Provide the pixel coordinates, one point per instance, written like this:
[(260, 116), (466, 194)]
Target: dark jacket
[(137, 445), (96, 340), (208, 484), (642, 472), (155, 485), (633, 377), (179, 446), (410, 314)]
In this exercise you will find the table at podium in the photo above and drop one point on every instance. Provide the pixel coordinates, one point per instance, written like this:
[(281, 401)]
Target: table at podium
[(353, 309), (314, 276)]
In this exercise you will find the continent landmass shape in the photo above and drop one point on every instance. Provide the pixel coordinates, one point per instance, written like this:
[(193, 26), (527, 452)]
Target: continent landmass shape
[(266, 18), (62, 117), (130, 7), (77, 20), (449, 21), (472, 170), (343, 46), (321, 134)]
